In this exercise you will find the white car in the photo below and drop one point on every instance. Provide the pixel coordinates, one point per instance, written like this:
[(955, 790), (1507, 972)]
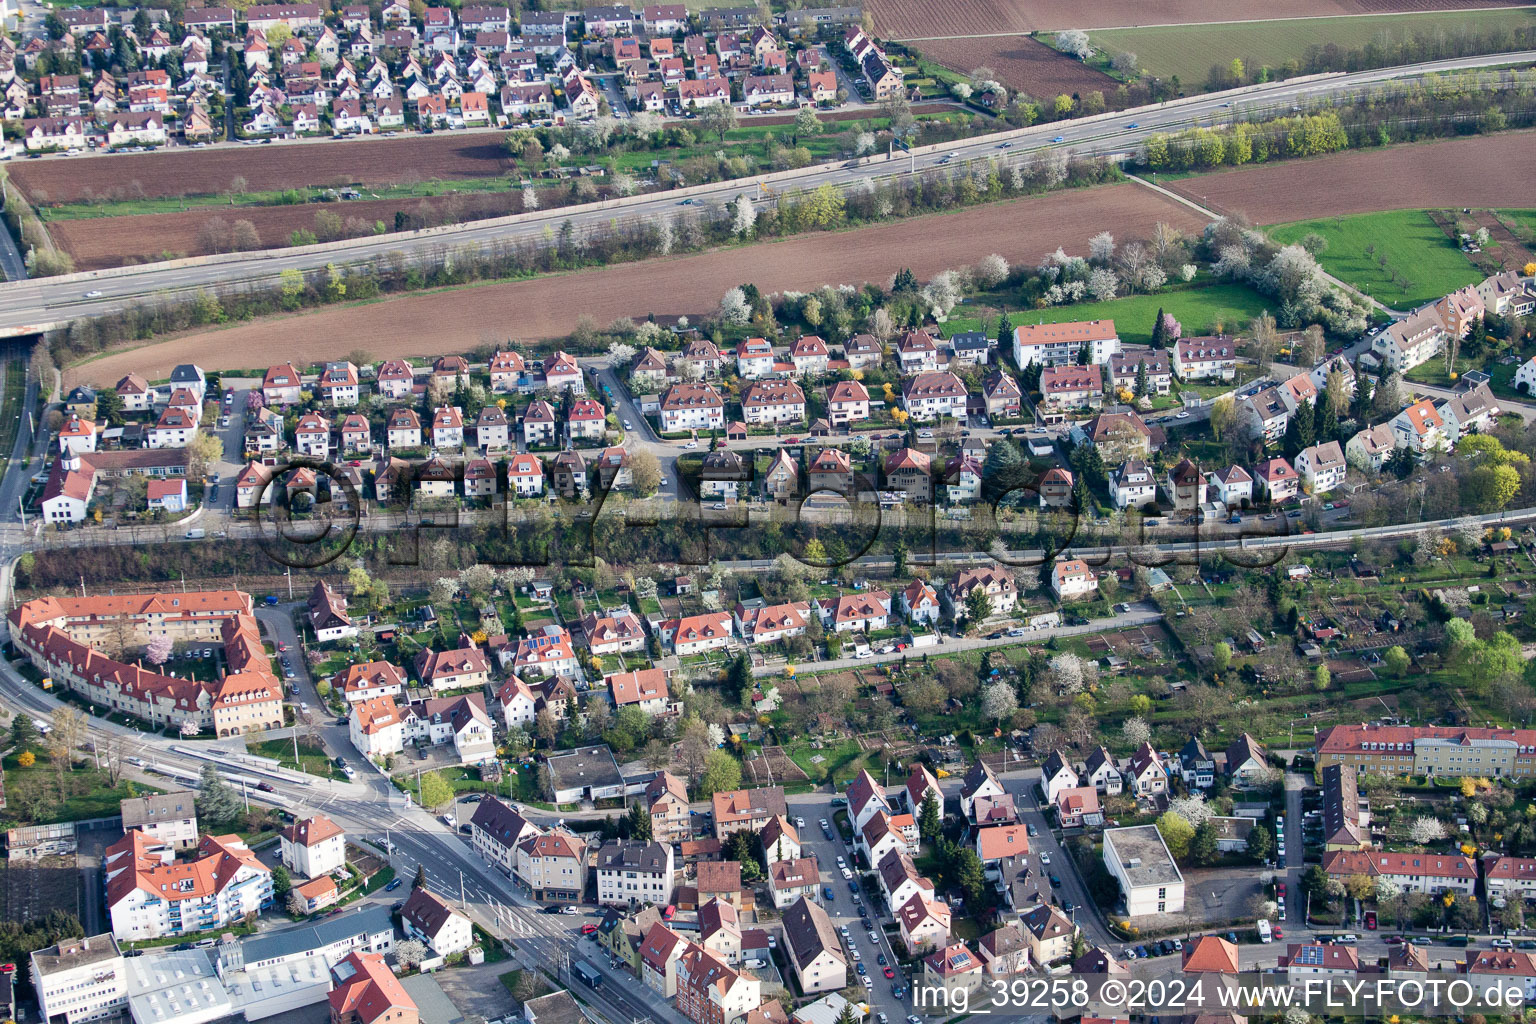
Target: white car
[(1045, 858), (841, 863), (628, 425), (854, 953), (94, 293), (569, 911), (756, 962), (867, 983), (691, 445), (847, 873)]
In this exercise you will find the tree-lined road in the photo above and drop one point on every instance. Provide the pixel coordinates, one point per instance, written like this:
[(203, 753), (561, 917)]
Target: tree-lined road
[(31, 306)]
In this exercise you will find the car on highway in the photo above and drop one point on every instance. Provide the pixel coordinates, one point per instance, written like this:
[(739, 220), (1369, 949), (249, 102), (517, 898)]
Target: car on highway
[(265, 787), (1134, 124), (686, 202), (94, 293), (1060, 138)]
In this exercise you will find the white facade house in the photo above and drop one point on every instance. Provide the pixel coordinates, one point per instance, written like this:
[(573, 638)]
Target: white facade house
[(1150, 882), (80, 979), (150, 894), (1322, 467), (1060, 344), (1407, 343), (691, 406), (634, 874), (930, 396), (428, 917), (314, 846)]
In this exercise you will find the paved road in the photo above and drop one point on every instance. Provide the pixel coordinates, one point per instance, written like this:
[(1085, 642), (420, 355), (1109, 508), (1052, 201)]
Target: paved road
[(27, 307)]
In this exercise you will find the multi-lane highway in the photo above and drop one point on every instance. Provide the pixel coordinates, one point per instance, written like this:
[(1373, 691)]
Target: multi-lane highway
[(29, 306)]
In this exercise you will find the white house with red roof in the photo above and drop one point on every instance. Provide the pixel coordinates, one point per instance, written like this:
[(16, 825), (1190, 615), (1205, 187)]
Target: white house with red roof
[(368, 680), (847, 402), (525, 475), (519, 704), (448, 427), (561, 372), (314, 846), (1232, 486), (933, 395), (691, 406), (506, 369), (152, 894), (395, 379), (696, 634), (1059, 344), (754, 358), (586, 421), (613, 632), (547, 652), (772, 401), (865, 800), (920, 782), (919, 603), (1413, 871), (281, 385), (312, 435), (1276, 479), (1421, 429), (924, 923), (809, 355), (916, 352), (644, 688), (77, 435), (762, 624), (864, 610)]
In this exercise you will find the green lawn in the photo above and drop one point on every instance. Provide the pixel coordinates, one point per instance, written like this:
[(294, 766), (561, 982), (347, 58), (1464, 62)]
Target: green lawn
[(1421, 263), (312, 757), (1198, 309), (1189, 50)]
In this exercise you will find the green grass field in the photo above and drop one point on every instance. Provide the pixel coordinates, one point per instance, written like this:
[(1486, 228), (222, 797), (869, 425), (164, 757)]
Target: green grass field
[(1425, 263), (1189, 50), (1199, 310)]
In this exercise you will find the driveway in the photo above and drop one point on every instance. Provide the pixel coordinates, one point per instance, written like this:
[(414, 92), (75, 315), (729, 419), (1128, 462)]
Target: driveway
[(1025, 787), (842, 909)]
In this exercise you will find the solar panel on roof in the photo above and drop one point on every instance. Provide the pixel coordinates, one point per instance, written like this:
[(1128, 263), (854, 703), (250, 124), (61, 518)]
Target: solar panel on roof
[(959, 960), (1311, 956)]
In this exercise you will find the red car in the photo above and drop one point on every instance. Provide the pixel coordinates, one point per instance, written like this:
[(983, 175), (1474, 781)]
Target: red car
[(889, 973), (1279, 934), (588, 929), (666, 915)]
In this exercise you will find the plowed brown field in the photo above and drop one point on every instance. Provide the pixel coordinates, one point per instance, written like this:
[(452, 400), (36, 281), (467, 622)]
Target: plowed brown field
[(183, 172), (97, 242), (1021, 63), (1023, 230), (1494, 171), (927, 19)]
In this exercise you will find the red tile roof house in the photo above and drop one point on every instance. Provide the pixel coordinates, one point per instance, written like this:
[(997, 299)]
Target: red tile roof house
[(697, 633), (1078, 807), (281, 385), (396, 379), (810, 355), (847, 402), (1430, 873), (645, 689), (956, 970), (545, 653), (1065, 389), (777, 401), (458, 669), (587, 421), (506, 369), (767, 623), (754, 358), (930, 396), (866, 610), (613, 632), (1276, 480)]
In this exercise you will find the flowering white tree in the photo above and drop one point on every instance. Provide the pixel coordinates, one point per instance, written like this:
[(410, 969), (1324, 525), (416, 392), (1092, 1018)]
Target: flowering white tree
[(1103, 284), (1188, 272), (530, 198), (1074, 41), (159, 650), (990, 271), (1388, 890), (1067, 674), (1101, 247), (1191, 808), (865, 143), (444, 589), (746, 216), (734, 308), (1136, 731), (625, 184), (942, 293), (998, 701), (1426, 830)]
